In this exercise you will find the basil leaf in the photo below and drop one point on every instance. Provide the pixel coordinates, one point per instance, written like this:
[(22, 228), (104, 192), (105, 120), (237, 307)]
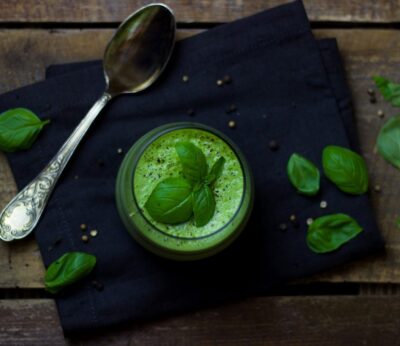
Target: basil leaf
[(68, 269), (303, 175), (389, 90), (194, 164), (216, 171), (328, 233), (19, 129), (171, 201), (346, 169), (203, 205), (388, 141)]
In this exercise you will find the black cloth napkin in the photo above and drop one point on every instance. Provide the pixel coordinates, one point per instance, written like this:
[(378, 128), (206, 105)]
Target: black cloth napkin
[(287, 87)]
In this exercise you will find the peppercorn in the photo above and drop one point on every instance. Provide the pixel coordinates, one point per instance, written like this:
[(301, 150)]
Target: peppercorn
[(227, 79), (185, 78), (98, 285), (380, 113), (232, 124), (55, 243), (93, 233), (323, 204), (293, 219), (231, 109), (85, 238), (273, 145), (83, 227), (220, 82), (283, 227)]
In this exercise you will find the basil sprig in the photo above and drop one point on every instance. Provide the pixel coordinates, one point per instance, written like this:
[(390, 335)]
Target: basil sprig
[(19, 129), (328, 233), (346, 169), (389, 90), (303, 175), (175, 200), (68, 269), (388, 141)]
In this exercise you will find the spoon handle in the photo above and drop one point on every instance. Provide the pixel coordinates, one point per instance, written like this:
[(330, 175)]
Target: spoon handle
[(21, 215)]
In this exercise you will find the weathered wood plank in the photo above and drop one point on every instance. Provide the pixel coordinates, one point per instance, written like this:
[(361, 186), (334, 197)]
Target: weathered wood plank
[(26, 53), (340, 320), (188, 11)]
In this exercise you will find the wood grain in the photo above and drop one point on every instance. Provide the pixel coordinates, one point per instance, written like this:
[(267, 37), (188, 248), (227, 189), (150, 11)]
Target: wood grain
[(190, 11), (340, 320), (365, 53)]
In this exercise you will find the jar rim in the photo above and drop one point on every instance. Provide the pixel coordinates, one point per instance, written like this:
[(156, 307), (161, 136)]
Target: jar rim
[(159, 132)]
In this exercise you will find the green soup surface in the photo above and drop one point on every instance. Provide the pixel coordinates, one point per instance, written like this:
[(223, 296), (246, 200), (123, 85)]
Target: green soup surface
[(160, 161)]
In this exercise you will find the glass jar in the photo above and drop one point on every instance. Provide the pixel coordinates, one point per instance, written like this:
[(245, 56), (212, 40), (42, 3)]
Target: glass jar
[(184, 241)]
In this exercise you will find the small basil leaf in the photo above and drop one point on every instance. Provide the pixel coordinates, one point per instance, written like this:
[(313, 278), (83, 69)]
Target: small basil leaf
[(203, 205), (171, 201), (389, 90), (389, 141), (346, 169), (194, 164), (303, 174), (68, 269), (328, 233), (19, 129), (216, 171)]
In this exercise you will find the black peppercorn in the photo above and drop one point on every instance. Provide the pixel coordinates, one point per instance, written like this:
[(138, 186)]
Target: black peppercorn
[(227, 79), (231, 109), (98, 285), (273, 145), (283, 227)]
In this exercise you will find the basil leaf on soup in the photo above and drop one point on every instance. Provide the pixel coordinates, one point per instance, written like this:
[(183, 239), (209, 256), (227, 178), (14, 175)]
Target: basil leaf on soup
[(68, 269), (328, 233), (388, 141), (303, 175), (346, 169), (215, 171), (19, 129), (171, 201), (389, 90), (194, 164), (203, 205)]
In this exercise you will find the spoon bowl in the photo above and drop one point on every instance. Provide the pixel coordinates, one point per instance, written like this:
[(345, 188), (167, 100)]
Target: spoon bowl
[(133, 60), (139, 50)]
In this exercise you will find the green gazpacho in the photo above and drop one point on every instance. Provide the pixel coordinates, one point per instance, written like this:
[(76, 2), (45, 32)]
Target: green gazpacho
[(184, 191), (160, 161)]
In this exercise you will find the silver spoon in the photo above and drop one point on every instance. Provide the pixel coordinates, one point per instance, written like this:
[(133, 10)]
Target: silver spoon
[(134, 58)]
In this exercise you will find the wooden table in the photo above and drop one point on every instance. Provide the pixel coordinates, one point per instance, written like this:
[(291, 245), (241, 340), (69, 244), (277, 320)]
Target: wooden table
[(356, 304)]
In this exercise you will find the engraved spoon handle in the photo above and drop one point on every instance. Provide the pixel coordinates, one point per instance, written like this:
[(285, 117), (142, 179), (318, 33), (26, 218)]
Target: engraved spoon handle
[(21, 215)]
